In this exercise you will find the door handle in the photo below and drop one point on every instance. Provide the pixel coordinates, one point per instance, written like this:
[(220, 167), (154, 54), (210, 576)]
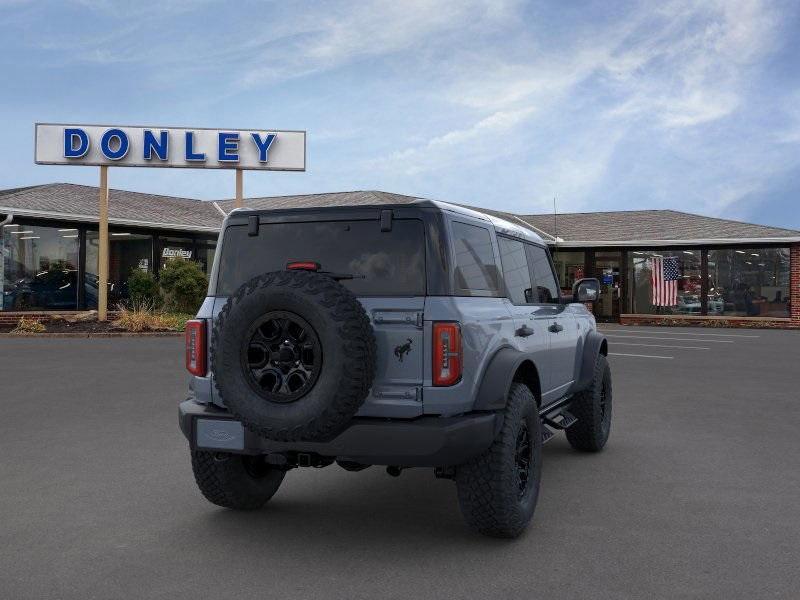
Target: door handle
[(523, 331), (555, 328)]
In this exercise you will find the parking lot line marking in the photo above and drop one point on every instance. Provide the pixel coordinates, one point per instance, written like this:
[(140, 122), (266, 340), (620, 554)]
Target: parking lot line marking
[(651, 337), (736, 335), (639, 355), (660, 346)]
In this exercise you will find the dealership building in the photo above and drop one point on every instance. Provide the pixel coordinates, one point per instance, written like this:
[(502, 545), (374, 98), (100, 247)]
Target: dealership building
[(722, 271)]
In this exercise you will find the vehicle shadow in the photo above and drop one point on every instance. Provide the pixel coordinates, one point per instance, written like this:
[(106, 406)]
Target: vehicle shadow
[(415, 511)]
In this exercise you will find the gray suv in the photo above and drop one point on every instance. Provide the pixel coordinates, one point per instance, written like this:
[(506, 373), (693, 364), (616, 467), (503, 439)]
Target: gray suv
[(417, 334)]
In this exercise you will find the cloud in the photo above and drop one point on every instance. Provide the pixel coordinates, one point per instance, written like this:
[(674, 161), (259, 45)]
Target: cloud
[(465, 146), (374, 28), (630, 104)]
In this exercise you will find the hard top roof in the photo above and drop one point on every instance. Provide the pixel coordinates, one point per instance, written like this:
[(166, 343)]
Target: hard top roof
[(389, 201)]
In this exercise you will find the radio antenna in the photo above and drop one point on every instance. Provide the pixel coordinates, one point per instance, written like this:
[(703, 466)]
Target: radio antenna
[(555, 222)]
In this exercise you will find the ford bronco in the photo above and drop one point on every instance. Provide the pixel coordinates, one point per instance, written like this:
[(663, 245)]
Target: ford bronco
[(410, 334)]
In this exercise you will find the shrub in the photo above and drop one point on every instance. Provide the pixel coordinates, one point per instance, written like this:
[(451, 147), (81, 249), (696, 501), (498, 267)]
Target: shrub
[(183, 285), (26, 325), (143, 288), (143, 317)]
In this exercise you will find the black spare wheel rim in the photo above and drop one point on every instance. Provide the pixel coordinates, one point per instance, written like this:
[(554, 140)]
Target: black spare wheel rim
[(523, 457), (293, 355), (282, 356)]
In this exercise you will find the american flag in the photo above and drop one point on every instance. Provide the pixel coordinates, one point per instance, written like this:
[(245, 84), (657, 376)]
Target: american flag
[(664, 277)]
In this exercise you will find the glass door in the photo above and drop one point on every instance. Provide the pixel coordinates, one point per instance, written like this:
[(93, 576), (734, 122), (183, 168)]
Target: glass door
[(607, 268)]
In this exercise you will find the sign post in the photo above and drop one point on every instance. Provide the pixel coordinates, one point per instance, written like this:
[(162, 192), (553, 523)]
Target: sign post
[(175, 147), (239, 188), (102, 255)]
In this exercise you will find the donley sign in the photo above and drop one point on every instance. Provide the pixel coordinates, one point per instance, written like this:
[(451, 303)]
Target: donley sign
[(177, 147)]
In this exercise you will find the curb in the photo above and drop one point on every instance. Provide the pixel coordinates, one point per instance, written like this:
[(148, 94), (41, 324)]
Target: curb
[(115, 334)]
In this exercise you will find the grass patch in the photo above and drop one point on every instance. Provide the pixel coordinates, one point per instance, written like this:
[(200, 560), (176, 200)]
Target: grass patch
[(26, 325), (143, 317)]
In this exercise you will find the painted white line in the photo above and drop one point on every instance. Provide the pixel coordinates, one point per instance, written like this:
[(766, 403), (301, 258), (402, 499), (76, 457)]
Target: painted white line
[(639, 355), (652, 337), (736, 335), (660, 346)]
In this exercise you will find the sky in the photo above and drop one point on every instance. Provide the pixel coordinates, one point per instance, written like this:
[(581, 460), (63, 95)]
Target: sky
[(504, 104)]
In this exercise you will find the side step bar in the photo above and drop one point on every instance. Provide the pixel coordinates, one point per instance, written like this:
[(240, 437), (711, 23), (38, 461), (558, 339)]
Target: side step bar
[(556, 416)]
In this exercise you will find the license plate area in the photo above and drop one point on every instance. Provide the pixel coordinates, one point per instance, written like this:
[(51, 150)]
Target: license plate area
[(219, 434)]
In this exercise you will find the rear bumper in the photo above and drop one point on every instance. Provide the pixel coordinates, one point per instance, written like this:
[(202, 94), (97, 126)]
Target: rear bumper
[(422, 442)]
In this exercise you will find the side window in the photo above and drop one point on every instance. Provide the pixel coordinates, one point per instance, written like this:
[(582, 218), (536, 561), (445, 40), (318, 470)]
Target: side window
[(515, 270), (475, 265), (545, 286)]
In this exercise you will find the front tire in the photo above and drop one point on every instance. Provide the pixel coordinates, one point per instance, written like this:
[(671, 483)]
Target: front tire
[(235, 481), (592, 407), (498, 490)]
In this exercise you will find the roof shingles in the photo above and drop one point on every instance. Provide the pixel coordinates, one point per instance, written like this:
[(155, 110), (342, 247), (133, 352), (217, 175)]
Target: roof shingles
[(66, 200)]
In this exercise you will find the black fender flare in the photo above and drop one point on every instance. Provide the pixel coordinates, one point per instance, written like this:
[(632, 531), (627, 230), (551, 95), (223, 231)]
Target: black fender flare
[(594, 344), (497, 379)]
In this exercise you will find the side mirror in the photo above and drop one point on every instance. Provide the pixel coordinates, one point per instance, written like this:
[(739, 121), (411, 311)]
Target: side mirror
[(586, 290)]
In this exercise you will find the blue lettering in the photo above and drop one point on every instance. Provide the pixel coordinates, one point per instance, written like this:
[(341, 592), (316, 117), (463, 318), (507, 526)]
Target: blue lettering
[(70, 137), (190, 153), (122, 147), (228, 142), (263, 145), (159, 146)]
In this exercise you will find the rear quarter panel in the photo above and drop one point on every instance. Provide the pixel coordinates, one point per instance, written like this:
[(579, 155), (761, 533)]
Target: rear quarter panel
[(486, 326)]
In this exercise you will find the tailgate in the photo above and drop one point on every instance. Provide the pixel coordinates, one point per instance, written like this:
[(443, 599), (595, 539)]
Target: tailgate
[(398, 325)]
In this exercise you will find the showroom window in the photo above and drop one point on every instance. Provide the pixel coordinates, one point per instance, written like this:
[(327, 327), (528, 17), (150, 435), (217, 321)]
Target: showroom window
[(747, 282), (39, 268), (176, 247), (128, 251), (205, 254), (666, 282), (570, 266)]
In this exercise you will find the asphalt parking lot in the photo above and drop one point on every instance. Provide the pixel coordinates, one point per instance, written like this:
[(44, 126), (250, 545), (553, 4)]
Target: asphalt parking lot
[(696, 496)]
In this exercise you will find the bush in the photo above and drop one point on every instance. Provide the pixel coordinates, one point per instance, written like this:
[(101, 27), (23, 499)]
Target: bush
[(183, 285), (143, 317), (143, 289), (26, 325)]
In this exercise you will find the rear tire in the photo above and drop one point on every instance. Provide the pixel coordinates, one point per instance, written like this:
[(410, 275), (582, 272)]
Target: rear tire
[(496, 494), (234, 480), (592, 407)]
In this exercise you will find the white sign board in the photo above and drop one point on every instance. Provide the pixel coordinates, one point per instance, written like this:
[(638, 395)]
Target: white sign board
[(189, 148)]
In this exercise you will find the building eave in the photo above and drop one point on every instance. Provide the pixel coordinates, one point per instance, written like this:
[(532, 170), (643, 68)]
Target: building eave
[(665, 243), (112, 220)]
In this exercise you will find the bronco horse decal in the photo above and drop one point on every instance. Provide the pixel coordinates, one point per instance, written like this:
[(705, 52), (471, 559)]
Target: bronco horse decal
[(402, 350)]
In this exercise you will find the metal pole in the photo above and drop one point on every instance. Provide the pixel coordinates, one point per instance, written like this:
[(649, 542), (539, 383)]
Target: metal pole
[(102, 258), (239, 189)]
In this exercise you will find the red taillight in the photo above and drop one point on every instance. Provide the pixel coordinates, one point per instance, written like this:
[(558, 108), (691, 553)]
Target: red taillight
[(196, 347), (447, 358), (303, 265)]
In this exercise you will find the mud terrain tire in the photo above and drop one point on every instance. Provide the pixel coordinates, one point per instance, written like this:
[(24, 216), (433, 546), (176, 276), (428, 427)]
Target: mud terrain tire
[(592, 407), (235, 481), (328, 318), (493, 499)]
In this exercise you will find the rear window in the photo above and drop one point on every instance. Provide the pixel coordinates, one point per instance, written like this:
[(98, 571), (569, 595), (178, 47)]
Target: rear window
[(392, 262)]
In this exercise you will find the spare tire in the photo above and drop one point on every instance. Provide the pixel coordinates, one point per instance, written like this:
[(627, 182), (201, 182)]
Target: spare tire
[(293, 355)]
